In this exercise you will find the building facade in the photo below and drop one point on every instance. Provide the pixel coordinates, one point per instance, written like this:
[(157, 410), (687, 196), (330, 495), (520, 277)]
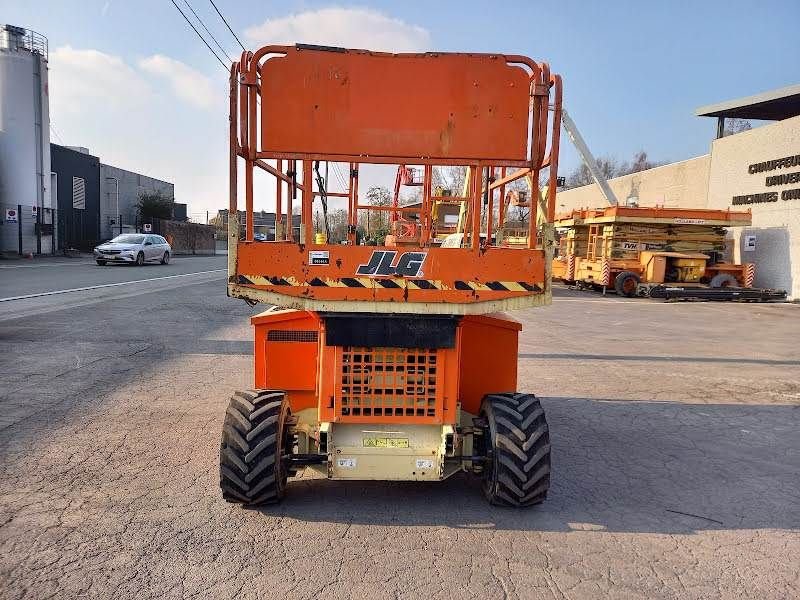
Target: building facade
[(760, 170), (119, 194), (92, 196), (76, 190)]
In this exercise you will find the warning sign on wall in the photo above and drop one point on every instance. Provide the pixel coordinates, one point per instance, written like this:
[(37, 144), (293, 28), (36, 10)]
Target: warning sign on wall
[(11, 215)]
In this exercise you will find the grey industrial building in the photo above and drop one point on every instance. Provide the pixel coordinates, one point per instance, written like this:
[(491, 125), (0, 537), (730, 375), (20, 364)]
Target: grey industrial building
[(75, 190), (96, 201), (119, 193)]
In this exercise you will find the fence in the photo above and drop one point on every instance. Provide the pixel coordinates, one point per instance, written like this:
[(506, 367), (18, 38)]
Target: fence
[(27, 229), (186, 237)]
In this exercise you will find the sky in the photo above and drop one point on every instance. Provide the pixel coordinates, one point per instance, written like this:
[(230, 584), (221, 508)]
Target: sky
[(132, 82)]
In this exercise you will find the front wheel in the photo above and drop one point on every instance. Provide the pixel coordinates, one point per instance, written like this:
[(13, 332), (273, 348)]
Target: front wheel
[(518, 444), (256, 441), (101, 263), (626, 283), (140, 259), (723, 280), (165, 258)]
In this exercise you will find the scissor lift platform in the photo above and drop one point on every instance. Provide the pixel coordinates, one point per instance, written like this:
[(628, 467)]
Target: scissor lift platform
[(390, 361)]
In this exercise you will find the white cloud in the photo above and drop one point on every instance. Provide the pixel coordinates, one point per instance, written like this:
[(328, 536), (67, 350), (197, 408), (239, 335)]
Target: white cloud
[(162, 118), (186, 83), (86, 79), (123, 113), (347, 27)]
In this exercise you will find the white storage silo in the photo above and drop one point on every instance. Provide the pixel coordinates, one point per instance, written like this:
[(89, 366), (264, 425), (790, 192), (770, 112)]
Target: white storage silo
[(24, 138)]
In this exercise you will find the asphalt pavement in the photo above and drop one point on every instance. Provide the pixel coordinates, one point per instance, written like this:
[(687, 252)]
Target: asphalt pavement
[(676, 457), (50, 274)]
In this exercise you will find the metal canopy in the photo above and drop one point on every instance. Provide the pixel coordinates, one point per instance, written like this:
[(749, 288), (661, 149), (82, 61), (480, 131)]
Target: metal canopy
[(774, 105)]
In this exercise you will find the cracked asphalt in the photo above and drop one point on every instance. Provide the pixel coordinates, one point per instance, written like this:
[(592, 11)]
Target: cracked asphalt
[(676, 461)]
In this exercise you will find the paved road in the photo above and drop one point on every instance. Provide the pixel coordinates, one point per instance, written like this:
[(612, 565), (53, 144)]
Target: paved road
[(675, 444), (18, 278)]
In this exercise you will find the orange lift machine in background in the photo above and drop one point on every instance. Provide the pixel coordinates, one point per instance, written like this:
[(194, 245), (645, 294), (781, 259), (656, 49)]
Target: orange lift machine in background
[(388, 362), (656, 252)]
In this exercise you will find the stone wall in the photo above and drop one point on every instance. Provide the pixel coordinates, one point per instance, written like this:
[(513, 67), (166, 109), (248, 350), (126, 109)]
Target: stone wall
[(186, 237)]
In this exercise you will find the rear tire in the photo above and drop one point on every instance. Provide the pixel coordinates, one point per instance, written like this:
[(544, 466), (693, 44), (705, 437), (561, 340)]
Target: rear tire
[(723, 280), (101, 263), (518, 469), (165, 258), (255, 439), (626, 283)]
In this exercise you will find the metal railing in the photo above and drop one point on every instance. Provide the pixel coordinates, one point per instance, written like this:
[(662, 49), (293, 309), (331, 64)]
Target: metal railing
[(19, 38)]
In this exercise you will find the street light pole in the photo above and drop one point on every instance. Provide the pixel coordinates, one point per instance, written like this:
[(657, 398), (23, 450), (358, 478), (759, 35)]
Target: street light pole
[(118, 216)]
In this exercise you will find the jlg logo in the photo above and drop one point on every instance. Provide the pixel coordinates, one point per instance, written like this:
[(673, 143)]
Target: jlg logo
[(380, 263)]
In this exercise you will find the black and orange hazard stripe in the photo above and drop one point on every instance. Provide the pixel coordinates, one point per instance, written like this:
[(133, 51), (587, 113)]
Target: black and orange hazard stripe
[(390, 283)]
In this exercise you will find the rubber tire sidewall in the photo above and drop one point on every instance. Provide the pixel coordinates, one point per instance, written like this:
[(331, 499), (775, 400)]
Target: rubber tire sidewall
[(490, 478), (279, 468), (491, 483), (723, 280), (165, 258), (619, 283), (139, 263)]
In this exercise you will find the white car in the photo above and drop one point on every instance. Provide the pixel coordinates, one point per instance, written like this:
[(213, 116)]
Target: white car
[(134, 248)]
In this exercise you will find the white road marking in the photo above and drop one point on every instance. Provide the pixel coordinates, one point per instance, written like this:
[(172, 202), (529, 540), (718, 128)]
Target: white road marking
[(108, 285), (61, 264)]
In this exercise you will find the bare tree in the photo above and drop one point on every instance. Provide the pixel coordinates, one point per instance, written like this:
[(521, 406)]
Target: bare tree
[(611, 167), (733, 126), (640, 163), (337, 221), (376, 222), (581, 176)]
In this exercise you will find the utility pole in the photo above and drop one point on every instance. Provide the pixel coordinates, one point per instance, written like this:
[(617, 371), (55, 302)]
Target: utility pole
[(119, 217)]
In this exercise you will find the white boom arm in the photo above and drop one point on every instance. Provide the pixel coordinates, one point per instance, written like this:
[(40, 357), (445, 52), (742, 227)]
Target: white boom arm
[(588, 158)]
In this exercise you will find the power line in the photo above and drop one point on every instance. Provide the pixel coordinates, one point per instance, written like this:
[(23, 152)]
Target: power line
[(224, 66), (53, 129), (339, 175), (224, 20), (211, 35)]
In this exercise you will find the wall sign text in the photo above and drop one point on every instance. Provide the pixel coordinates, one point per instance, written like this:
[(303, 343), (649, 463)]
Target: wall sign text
[(786, 162)]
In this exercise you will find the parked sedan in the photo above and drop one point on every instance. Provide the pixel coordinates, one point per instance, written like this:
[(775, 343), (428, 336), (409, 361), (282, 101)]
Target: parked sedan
[(135, 248)]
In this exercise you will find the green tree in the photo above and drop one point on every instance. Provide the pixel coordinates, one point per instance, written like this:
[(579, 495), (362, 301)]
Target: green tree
[(155, 206)]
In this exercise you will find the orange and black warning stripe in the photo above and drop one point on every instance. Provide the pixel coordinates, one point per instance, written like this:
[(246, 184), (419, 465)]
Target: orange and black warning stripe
[(391, 283)]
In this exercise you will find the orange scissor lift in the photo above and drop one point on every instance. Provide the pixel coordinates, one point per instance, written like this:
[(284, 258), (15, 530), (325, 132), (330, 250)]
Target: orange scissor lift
[(389, 362)]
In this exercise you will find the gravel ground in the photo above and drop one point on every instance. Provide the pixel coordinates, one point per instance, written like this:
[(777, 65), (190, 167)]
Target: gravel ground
[(676, 457)]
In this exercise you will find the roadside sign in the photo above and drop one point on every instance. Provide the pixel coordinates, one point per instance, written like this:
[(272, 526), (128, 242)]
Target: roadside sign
[(11, 215), (34, 211), (147, 227)]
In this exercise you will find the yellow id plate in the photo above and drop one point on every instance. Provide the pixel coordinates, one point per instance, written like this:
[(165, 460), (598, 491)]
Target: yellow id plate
[(382, 442)]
